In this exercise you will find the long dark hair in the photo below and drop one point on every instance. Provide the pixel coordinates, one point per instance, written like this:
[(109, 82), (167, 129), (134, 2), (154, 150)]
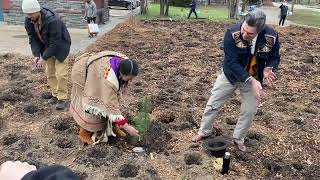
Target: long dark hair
[(128, 67)]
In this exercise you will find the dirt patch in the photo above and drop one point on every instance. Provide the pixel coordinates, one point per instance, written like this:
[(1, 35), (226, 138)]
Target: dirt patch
[(157, 138), (63, 142), (9, 139), (193, 159), (272, 165), (165, 117), (128, 170), (82, 175), (46, 95), (63, 124), (231, 121), (30, 109), (99, 155), (179, 60)]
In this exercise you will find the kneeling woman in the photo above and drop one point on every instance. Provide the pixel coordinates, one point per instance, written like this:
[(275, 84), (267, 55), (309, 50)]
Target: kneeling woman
[(97, 83)]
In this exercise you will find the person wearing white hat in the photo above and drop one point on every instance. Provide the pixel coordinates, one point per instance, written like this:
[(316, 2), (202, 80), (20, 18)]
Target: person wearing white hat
[(50, 44)]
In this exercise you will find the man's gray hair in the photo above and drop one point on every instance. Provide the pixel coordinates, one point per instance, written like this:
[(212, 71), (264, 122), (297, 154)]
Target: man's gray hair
[(256, 18)]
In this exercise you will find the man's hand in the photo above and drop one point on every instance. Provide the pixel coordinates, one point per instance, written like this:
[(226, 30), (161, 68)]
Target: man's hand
[(269, 76), (35, 61), (130, 129), (15, 170), (41, 63), (257, 89)]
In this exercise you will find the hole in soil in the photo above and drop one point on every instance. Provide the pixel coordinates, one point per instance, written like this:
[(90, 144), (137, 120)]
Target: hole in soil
[(65, 125), (9, 139), (82, 175), (255, 136), (30, 109), (241, 156), (193, 158), (46, 95), (10, 97), (311, 110), (138, 84), (64, 143), (298, 121), (271, 165), (128, 170), (96, 153), (137, 90), (297, 166), (60, 126), (153, 174), (231, 121)]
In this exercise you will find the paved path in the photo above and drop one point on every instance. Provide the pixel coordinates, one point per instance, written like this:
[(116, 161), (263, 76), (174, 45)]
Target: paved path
[(15, 40)]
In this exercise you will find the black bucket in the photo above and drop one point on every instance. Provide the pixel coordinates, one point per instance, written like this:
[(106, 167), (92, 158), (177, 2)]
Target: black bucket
[(216, 146)]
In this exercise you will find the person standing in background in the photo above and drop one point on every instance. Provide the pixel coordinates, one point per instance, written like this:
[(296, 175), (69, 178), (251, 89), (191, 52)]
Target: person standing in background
[(50, 44), (100, 11), (193, 6), (283, 13)]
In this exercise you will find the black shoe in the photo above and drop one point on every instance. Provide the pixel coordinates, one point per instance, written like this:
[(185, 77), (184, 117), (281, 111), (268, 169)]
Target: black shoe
[(53, 100), (61, 105)]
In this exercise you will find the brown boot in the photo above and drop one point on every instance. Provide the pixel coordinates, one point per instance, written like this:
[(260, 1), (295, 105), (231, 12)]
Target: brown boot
[(118, 131), (85, 136)]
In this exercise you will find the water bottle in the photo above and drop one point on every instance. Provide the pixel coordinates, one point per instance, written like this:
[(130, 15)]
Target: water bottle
[(226, 163)]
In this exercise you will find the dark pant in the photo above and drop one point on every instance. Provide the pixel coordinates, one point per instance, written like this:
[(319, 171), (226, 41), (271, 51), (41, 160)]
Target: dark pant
[(192, 10), (282, 19), (91, 19), (100, 15)]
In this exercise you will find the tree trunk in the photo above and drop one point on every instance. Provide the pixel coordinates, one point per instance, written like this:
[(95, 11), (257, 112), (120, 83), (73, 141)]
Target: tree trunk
[(292, 6), (244, 4), (233, 4), (209, 2), (309, 2), (143, 7), (162, 3), (167, 8)]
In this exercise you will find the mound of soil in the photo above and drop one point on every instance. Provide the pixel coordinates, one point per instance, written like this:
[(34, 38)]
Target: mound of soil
[(128, 170)]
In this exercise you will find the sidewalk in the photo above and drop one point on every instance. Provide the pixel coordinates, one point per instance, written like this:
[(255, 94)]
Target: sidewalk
[(14, 38)]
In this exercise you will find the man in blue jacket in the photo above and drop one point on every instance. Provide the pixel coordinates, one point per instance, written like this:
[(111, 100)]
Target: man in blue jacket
[(251, 56), (193, 7), (50, 44)]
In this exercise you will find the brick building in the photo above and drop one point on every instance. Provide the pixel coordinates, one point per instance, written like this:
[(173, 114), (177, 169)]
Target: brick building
[(71, 11)]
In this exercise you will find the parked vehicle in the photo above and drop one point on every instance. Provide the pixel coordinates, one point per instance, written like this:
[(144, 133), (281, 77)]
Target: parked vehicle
[(128, 4)]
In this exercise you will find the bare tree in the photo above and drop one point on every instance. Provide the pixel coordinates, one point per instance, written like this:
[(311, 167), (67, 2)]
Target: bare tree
[(233, 7), (292, 6), (244, 4), (164, 7), (167, 8), (144, 7)]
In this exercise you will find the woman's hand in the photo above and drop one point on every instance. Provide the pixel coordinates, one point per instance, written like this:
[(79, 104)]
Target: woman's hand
[(130, 129)]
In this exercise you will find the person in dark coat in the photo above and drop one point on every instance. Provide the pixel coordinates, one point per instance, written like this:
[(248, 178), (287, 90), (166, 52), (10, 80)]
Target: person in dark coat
[(50, 44), (251, 57), (283, 13), (193, 6)]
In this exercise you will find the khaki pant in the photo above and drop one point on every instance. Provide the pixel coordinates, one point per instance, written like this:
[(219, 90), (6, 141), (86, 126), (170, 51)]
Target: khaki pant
[(57, 74), (221, 92)]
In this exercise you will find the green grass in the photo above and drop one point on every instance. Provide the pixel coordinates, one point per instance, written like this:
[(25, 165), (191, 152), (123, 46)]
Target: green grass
[(209, 12), (306, 17)]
